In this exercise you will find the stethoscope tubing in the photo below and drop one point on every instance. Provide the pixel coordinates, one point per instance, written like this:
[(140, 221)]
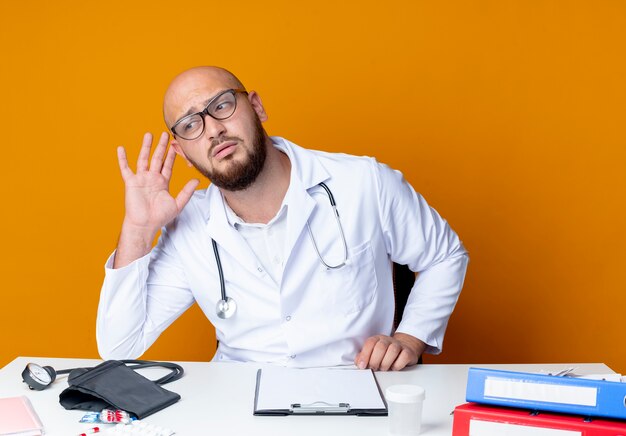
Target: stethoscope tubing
[(226, 306), (219, 269), (176, 371)]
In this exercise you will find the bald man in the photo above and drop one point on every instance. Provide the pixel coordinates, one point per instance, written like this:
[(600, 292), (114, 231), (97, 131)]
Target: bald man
[(281, 276)]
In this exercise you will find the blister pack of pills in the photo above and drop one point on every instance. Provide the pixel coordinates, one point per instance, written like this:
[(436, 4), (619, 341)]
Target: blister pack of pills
[(108, 416), (138, 428)]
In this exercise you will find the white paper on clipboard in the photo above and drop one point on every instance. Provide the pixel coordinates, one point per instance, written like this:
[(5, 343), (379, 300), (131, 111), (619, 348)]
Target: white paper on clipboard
[(279, 388)]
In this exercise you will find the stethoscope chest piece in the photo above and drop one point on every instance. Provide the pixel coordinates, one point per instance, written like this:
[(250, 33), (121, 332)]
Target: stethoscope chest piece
[(226, 308)]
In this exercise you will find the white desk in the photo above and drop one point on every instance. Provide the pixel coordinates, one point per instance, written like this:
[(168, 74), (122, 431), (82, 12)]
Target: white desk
[(217, 399)]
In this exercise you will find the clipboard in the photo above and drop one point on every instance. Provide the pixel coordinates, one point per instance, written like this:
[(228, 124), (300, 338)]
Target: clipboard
[(284, 391)]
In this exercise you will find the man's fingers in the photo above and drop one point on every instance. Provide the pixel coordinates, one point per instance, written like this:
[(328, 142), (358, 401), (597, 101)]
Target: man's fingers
[(404, 359), (185, 194), (157, 157), (169, 163), (393, 351), (363, 358), (144, 152), (373, 352), (378, 354), (123, 163), (385, 353)]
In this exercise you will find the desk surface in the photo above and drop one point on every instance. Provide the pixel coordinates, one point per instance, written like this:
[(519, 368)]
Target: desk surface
[(217, 398)]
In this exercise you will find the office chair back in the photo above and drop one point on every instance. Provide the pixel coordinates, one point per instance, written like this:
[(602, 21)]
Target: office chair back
[(403, 280)]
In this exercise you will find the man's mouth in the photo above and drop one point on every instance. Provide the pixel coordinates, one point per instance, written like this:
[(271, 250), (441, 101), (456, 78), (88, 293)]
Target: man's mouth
[(224, 149)]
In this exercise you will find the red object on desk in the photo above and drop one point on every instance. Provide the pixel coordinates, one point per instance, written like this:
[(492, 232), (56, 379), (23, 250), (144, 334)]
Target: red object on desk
[(91, 431), (482, 420)]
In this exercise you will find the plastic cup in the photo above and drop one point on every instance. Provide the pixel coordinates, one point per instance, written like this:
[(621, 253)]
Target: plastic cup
[(405, 409)]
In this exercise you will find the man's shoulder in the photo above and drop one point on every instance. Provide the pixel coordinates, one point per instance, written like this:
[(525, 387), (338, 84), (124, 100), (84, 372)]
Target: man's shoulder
[(353, 165), (342, 158), (325, 157)]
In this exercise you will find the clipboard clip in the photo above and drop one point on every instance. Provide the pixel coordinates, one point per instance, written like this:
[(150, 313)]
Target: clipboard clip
[(319, 407)]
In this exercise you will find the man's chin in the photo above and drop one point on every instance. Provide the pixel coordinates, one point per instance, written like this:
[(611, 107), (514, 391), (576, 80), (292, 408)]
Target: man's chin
[(237, 170), (235, 178)]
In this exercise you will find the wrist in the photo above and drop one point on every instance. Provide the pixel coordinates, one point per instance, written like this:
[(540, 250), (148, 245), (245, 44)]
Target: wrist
[(416, 344), (134, 243), (138, 232)]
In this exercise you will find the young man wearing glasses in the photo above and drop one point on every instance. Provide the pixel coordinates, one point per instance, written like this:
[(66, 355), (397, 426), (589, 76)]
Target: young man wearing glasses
[(288, 252)]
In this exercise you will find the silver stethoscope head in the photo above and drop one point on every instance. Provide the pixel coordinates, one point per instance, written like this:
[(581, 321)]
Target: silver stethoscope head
[(226, 308)]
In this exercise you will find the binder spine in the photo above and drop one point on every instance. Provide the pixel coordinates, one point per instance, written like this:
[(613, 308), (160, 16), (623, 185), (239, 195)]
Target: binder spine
[(547, 393), (480, 420)]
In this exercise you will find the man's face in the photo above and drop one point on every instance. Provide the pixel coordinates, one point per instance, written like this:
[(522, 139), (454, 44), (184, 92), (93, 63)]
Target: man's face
[(234, 174), (231, 152)]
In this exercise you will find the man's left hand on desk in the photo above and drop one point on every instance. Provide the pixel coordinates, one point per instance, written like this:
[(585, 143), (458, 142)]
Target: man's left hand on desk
[(385, 353)]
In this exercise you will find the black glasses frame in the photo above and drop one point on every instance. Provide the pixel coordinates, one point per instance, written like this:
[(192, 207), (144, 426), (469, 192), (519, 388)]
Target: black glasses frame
[(204, 112)]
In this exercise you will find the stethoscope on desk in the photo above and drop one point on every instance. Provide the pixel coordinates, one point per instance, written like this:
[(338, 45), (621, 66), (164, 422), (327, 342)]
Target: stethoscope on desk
[(39, 377), (226, 306)]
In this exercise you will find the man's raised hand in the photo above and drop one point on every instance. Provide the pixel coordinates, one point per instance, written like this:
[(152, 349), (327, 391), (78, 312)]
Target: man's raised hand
[(149, 204)]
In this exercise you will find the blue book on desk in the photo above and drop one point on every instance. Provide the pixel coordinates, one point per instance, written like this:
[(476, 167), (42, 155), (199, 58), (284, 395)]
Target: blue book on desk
[(546, 392)]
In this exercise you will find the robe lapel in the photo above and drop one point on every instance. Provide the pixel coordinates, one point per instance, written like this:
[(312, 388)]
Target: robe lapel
[(228, 239)]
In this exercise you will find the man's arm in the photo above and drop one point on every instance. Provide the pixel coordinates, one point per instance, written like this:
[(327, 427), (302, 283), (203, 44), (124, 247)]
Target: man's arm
[(417, 236), (140, 300), (129, 317)]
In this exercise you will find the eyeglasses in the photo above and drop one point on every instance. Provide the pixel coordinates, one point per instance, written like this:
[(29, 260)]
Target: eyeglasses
[(220, 107)]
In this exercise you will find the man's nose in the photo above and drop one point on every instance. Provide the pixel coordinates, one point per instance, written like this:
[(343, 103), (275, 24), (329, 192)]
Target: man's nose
[(213, 128)]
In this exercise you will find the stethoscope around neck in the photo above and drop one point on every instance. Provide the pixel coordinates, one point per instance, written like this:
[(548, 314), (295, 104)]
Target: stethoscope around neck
[(226, 306)]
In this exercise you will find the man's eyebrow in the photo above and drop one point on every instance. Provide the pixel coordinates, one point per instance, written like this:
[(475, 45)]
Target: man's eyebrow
[(192, 109), (205, 103)]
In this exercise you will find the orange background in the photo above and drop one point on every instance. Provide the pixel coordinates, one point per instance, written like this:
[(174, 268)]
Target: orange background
[(508, 116)]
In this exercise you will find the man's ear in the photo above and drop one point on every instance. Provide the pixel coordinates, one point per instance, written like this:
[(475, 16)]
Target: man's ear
[(257, 105), (179, 151)]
